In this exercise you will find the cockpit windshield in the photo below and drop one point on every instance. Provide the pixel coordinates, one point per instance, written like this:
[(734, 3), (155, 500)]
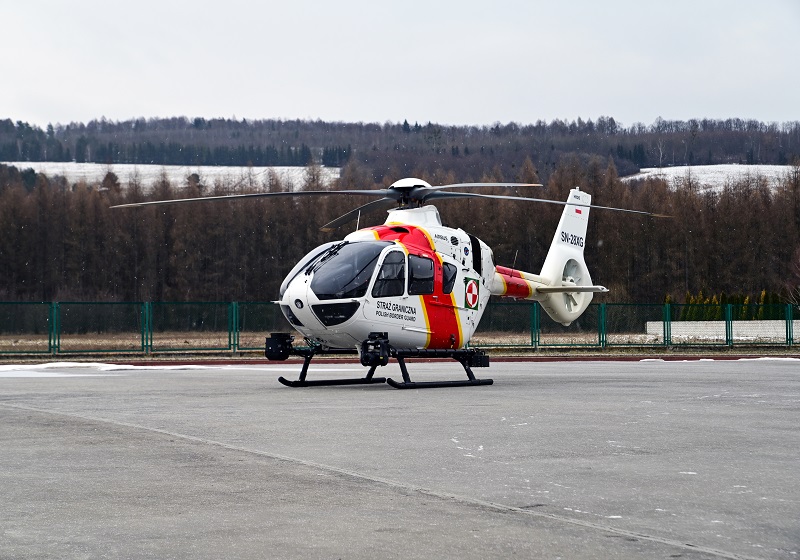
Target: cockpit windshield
[(304, 262), (345, 270)]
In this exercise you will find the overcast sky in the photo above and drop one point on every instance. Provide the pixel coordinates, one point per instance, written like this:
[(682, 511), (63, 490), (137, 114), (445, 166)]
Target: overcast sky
[(450, 62)]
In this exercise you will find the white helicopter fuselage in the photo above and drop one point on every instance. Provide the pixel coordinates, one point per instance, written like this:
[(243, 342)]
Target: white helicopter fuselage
[(426, 285)]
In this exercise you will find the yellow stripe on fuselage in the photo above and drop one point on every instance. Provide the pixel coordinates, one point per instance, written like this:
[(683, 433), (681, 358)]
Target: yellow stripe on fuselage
[(427, 321)]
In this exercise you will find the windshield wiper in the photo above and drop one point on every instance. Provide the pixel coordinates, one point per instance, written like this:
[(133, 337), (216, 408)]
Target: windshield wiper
[(324, 257)]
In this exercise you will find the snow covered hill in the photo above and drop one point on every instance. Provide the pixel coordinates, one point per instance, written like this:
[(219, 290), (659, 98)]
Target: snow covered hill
[(147, 175), (715, 176), (709, 176)]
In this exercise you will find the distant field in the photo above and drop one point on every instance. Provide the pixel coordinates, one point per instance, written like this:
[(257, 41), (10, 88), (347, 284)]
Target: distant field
[(715, 176), (147, 175)]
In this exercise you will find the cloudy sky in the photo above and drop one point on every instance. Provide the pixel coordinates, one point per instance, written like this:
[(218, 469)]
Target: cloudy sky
[(448, 61)]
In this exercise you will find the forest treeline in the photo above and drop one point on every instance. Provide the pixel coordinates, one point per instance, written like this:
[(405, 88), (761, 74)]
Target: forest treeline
[(393, 149), (62, 242)]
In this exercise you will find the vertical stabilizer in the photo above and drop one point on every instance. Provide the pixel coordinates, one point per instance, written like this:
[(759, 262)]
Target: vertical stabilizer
[(565, 266), (564, 286)]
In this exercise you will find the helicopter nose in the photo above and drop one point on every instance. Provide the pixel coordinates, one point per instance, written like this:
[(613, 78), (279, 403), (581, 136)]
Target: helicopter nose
[(311, 315), (290, 312), (295, 305)]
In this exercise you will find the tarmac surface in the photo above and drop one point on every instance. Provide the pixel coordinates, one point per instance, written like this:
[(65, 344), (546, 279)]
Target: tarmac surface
[(648, 459)]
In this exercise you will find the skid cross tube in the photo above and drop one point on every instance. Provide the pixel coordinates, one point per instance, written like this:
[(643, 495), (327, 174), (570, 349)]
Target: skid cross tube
[(309, 354), (467, 358)]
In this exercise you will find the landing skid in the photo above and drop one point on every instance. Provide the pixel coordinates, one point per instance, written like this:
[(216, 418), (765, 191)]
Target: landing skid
[(303, 382), (375, 352), (466, 358)]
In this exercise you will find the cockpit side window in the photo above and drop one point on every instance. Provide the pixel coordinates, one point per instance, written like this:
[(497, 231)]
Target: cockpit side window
[(420, 275), (391, 280), (449, 277)]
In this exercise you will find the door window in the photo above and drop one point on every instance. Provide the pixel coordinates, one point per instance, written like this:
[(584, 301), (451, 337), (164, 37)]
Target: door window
[(420, 275), (391, 280)]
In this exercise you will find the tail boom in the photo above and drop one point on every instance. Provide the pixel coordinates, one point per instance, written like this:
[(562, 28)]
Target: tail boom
[(517, 284)]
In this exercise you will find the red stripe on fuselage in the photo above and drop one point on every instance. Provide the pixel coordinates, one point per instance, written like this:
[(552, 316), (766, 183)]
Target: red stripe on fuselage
[(442, 314), (410, 236), (440, 308)]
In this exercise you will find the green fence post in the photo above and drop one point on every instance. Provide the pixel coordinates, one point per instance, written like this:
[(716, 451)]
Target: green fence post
[(667, 318), (531, 319), (142, 324), (728, 324), (601, 325), (50, 328), (789, 324), (57, 327), (535, 331), (233, 326), (148, 326), (51, 335)]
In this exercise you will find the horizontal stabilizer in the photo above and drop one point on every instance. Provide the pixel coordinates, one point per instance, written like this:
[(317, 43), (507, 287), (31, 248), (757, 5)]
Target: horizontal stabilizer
[(570, 289)]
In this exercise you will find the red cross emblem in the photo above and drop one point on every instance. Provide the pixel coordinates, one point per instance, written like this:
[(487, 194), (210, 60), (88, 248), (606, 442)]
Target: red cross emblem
[(471, 298)]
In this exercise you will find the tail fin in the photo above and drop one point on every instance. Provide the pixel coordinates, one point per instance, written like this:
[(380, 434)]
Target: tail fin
[(570, 285), (564, 287)]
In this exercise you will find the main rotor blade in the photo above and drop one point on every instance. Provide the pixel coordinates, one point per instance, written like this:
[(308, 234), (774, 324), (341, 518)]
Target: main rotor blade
[(393, 194), (353, 214), (376, 192), (439, 195), (474, 185)]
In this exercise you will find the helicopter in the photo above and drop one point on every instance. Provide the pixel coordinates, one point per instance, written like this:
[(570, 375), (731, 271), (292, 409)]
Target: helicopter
[(413, 287)]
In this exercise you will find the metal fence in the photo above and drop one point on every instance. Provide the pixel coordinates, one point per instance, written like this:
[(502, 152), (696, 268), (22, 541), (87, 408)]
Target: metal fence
[(174, 327)]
